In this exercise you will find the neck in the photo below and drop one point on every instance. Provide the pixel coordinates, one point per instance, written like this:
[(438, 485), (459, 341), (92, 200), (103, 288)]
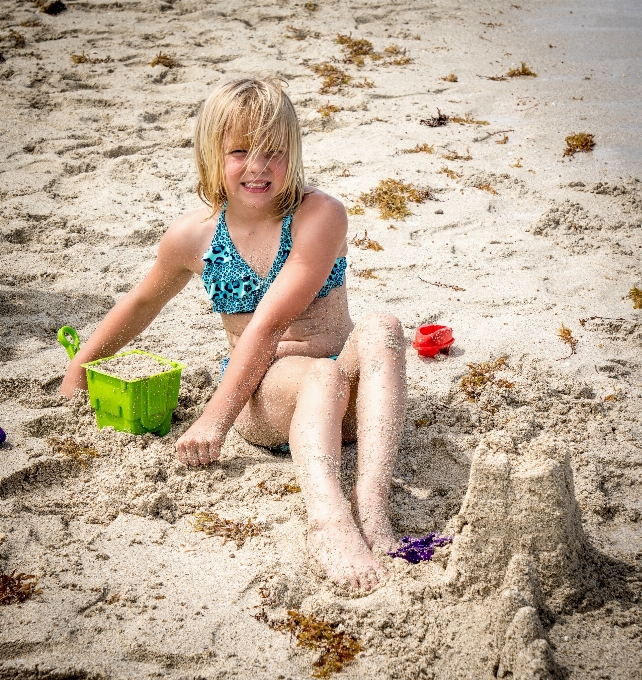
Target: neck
[(244, 213)]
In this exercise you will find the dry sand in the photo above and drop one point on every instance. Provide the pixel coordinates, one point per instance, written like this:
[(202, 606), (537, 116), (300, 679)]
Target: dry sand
[(539, 483)]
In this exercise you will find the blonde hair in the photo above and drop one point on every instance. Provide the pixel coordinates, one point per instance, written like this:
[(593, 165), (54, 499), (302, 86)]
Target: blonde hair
[(262, 115)]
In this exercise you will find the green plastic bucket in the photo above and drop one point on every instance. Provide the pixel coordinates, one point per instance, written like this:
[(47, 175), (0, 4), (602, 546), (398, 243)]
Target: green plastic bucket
[(136, 406)]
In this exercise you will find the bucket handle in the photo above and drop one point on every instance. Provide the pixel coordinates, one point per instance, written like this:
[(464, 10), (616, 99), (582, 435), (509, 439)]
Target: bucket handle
[(69, 339)]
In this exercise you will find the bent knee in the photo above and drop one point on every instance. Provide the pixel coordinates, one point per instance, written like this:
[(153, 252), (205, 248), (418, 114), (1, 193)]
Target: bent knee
[(382, 328)]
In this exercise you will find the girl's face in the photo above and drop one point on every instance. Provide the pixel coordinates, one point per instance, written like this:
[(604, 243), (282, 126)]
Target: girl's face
[(254, 182)]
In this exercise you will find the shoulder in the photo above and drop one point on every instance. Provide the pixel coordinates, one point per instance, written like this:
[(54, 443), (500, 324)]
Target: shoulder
[(188, 237), (319, 210)]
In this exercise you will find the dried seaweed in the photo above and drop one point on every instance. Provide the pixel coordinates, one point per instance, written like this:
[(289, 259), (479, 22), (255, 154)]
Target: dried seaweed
[(51, 7), (163, 59), (311, 6), (483, 374), (450, 78), (503, 140), (636, 295), (455, 156), (365, 243), (467, 120), (447, 171), (435, 121), (31, 24), (516, 164), (420, 148), (327, 110), (566, 335), (486, 187), (280, 491), (392, 196), (422, 422), (19, 41), (228, 529), (522, 71), (72, 449), (579, 142), (79, 58), (366, 274), (355, 50), (356, 210), (415, 550), (336, 648), (333, 77), (16, 588), (399, 56)]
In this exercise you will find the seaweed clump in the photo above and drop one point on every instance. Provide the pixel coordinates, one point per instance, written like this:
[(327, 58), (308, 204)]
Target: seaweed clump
[(16, 588), (455, 156), (162, 59), (435, 121), (366, 243), (522, 71), (72, 449), (333, 77), (327, 110), (467, 120), (482, 374), (392, 196), (636, 295), (355, 50), (281, 491), (356, 210), (336, 647), (51, 7), (579, 141), (450, 78), (566, 335), (420, 148), (397, 56), (227, 529)]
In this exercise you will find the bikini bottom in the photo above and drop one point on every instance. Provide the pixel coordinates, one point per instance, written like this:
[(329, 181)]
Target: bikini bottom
[(281, 449)]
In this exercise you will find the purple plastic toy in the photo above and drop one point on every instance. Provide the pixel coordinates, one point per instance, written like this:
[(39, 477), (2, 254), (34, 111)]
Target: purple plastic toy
[(3, 436), (416, 550)]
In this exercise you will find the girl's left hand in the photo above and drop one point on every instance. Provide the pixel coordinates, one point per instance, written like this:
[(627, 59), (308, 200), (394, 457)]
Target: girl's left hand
[(201, 444)]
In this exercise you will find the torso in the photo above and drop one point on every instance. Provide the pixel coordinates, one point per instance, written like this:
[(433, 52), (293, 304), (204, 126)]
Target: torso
[(320, 331)]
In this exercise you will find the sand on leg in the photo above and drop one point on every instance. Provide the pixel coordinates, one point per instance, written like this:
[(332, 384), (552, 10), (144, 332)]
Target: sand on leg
[(315, 440), (305, 400), (374, 361)]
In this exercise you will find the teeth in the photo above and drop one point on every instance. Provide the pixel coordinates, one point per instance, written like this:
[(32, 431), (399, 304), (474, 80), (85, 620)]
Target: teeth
[(256, 185)]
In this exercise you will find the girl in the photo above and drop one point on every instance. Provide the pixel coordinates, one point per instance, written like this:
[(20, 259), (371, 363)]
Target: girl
[(272, 255)]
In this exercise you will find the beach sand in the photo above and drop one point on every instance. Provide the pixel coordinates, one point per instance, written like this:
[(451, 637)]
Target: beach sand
[(537, 476)]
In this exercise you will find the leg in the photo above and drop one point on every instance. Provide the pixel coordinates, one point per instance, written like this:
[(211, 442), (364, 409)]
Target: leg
[(374, 361), (306, 399), (315, 440)]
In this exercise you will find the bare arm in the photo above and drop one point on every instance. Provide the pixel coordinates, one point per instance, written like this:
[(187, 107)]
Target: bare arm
[(136, 310), (322, 230)]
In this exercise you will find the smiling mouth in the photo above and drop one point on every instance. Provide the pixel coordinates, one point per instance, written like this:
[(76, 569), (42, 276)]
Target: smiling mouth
[(256, 187)]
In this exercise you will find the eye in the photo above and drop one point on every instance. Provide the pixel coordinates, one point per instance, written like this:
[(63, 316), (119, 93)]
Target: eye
[(238, 151)]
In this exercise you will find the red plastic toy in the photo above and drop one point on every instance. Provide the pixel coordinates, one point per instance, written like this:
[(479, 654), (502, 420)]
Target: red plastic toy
[(430, 340)]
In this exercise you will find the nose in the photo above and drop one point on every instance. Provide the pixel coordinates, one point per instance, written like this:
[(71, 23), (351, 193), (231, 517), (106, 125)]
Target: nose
[(257, 164)]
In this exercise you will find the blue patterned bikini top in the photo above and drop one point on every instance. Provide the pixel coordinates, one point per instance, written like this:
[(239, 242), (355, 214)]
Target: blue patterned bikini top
[(234, 287)]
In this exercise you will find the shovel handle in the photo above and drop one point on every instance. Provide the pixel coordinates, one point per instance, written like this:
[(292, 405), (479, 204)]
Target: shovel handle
[(69, 339)]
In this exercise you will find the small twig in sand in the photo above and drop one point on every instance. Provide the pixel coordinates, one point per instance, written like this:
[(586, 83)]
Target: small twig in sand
[(441, 285)]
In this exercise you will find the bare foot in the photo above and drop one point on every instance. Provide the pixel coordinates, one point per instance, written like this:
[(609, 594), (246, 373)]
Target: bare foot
[(371, 517), (339, 548)]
